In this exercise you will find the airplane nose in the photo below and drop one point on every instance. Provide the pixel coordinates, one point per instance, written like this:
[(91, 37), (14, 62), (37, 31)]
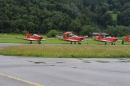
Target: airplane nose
[(41, 37), (116, 38)]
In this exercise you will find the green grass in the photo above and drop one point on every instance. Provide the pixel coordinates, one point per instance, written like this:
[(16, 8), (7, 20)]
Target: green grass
[(68, 51), (53, 47), (114, 16), (12, 38)]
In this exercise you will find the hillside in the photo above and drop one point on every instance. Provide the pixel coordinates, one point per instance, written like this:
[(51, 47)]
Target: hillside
[(80, 16)]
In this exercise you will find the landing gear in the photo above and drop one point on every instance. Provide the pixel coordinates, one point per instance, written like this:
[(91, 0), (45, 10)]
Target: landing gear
[(30, 42), (75, 42), (72, 42), (112, 43), (39, 42), (79, 43)]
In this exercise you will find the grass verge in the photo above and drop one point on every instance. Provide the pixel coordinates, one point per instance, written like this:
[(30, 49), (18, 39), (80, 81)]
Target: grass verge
[(67, 51)]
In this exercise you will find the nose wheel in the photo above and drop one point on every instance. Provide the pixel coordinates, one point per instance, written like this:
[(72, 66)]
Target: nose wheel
[(30, 42), (79, 43), (112, 43), (39, 42), (75, 43)]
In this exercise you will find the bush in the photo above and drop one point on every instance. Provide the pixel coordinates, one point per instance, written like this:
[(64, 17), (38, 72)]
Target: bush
[(52, 33)]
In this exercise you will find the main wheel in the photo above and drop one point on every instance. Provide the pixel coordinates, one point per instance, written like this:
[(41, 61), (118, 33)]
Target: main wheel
[(39, 42), (30, 42), (79, 43)]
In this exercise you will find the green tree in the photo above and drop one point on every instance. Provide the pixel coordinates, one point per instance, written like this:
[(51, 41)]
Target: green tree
[(107, 19), (75, 25), (118, 31), (124, 18), (87, 30), (52, 33), (41, 16)]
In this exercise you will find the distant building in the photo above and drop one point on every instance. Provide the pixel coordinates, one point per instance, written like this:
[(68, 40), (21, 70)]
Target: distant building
[(95, 34)]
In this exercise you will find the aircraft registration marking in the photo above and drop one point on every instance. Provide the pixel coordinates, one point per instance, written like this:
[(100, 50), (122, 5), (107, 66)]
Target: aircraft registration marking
[(21, 80)]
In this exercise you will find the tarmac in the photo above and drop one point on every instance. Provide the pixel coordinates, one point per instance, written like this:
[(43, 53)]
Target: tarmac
[(34, 71)]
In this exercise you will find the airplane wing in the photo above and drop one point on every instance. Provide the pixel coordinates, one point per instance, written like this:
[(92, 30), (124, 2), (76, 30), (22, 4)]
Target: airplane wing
[(30, 39), (73, 40), (105, 41)]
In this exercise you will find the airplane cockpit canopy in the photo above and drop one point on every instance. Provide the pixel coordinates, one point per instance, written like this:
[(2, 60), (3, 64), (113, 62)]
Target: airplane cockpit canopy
[(35, 35)]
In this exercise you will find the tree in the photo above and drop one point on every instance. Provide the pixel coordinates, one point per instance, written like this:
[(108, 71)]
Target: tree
[(52, 33), (125, 7), (41, 16), (124, 18), (107, 19), (118, 31), (87, 30), (75, 25)]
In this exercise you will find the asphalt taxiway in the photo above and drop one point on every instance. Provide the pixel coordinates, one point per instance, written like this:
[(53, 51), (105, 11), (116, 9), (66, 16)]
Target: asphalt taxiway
[(31, 71)]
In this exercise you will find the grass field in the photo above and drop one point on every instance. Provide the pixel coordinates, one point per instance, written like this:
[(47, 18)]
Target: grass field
[(55, 48), (68, 51), (114, 16)]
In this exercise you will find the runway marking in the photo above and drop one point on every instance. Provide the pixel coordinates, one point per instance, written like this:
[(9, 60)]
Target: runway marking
[(21, 80)]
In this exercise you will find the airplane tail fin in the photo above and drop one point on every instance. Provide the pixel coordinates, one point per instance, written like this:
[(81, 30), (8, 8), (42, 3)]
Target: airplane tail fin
[(66, 36), (127, 37), (27, 35), (99, 37)]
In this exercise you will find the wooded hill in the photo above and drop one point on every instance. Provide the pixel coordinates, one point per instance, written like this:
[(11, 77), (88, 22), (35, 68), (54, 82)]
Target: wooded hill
[(80, 16)]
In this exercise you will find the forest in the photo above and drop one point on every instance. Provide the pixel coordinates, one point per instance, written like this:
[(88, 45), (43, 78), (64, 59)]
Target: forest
[(80, 16)]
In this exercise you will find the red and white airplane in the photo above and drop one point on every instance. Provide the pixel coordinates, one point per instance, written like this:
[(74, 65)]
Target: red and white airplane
[(111, 40), (33, 37), (127, 39), (69, 36)]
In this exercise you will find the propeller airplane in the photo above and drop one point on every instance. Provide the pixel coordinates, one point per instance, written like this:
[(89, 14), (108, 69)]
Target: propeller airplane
[(33, 37), (111, 40), (69, 36)]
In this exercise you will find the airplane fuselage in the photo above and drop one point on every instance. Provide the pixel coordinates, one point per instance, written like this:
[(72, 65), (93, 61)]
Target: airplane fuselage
[(35, 37), (112, 39), (107, 39), (74, 39)]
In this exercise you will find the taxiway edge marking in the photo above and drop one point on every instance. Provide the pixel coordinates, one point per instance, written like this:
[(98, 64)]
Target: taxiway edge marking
[(21, 80)]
